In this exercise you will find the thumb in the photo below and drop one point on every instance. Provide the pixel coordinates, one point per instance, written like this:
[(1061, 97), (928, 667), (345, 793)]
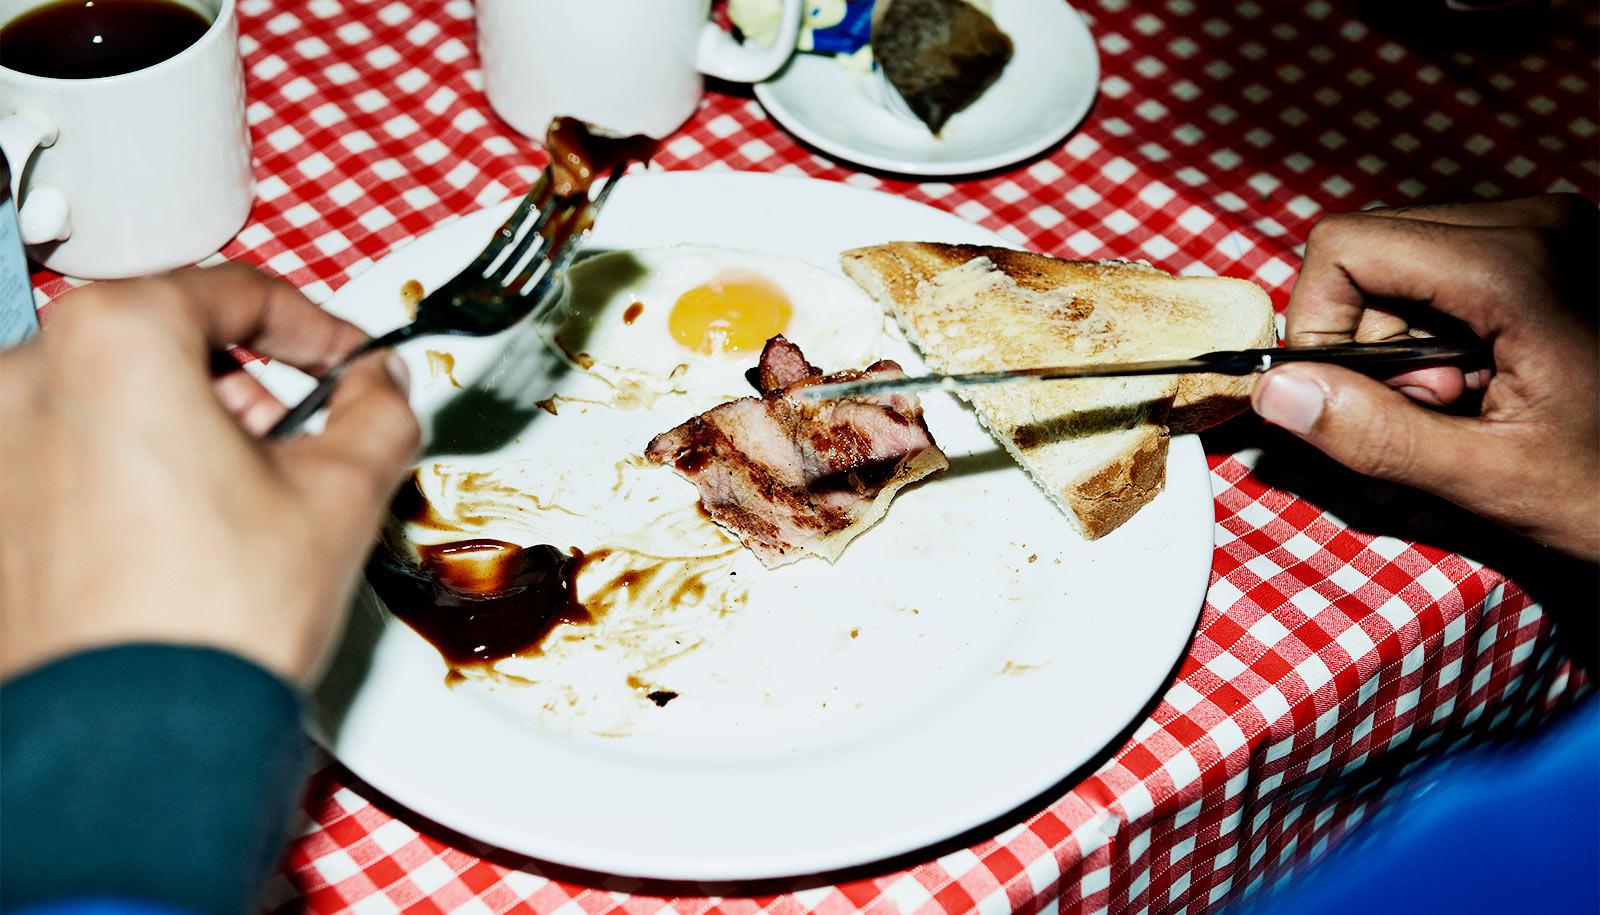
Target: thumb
[(1368, 426)]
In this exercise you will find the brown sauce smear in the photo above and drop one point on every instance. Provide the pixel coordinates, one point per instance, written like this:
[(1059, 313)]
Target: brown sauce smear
[(441, 363), (479, 601), (694, 587), (581, 360), (632, 313)]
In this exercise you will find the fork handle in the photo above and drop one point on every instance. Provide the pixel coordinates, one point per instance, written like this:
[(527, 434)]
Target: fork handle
[(307, 408)]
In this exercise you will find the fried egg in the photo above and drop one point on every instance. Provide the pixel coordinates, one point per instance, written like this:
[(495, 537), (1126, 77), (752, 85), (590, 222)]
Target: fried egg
[(691, 319)]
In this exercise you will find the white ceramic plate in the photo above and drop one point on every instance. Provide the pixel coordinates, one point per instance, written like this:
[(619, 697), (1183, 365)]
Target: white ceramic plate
[(958, 660), (1043, 93)]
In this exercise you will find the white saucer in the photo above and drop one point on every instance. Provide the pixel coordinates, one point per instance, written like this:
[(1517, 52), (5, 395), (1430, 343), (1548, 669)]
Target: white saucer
[(1042, 95)]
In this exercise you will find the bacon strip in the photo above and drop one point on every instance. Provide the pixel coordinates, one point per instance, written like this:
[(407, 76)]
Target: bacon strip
[(791, 477)]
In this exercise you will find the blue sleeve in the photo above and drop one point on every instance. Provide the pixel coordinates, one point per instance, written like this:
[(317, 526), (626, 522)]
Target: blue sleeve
[(155, 774), (98, 906), (1512, 829)]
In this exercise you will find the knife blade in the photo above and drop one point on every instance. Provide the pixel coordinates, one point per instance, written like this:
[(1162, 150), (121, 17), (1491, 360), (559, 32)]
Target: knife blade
[(1367, 357)]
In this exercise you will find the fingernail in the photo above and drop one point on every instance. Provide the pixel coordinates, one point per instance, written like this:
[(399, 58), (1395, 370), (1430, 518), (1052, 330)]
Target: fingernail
[(1420, 394), (1290, 400), (399, 372)]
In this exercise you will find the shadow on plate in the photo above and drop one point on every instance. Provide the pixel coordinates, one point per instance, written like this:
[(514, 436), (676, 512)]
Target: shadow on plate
[(352, 658), (496, 408), (971, 465)]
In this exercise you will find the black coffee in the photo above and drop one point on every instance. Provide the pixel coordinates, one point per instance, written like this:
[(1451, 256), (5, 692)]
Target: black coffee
[(83, 39)]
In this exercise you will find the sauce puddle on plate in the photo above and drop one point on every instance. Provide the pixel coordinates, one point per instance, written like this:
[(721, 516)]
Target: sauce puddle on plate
[(481, 601), (477, 600)]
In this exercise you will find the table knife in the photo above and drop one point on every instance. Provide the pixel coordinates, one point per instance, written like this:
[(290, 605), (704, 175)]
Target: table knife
[(1372, 358)]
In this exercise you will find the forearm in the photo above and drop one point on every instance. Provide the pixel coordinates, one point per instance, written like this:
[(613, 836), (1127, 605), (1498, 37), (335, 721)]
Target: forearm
[(151, 772)]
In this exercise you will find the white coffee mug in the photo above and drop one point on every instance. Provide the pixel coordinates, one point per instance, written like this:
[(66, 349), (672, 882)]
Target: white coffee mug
[(625, 66), (131, 174)]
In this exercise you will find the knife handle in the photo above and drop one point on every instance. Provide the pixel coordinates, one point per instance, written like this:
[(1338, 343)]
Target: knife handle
[(1363, 357)]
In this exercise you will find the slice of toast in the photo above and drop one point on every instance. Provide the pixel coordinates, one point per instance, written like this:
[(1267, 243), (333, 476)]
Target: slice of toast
[(1096, 446)]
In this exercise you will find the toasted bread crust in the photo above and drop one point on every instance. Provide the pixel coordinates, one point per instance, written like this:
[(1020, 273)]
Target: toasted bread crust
[(1108, 498), (904, 264)]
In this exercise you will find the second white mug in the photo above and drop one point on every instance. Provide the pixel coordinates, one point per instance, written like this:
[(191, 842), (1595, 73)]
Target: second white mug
[(625, 66)]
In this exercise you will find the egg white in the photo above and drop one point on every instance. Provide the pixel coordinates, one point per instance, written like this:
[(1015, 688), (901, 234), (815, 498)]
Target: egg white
[(832, 321)]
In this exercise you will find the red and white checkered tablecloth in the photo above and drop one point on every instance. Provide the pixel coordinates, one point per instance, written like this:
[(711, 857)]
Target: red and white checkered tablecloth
[(1335, 652)]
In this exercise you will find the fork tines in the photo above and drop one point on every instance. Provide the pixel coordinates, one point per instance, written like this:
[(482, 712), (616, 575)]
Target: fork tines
[(540, 239), (566, 236), (535, 201)]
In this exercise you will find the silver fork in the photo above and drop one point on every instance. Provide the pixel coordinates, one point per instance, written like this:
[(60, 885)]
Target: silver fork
[(515, 275)]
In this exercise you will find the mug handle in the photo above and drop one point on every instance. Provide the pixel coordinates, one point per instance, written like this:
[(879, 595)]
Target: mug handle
[(720, 56), (43, 216)]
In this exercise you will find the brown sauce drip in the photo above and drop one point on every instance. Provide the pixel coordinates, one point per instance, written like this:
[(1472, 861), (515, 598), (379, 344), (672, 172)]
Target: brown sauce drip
[(581, 360), (627, 581), (411, 294), (441, 363), (632, 313), (650, 691), (578, 156), (705, 442), (480, 495)]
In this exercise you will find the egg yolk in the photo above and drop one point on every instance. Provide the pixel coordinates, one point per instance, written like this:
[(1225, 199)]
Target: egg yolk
[(733, 314)]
